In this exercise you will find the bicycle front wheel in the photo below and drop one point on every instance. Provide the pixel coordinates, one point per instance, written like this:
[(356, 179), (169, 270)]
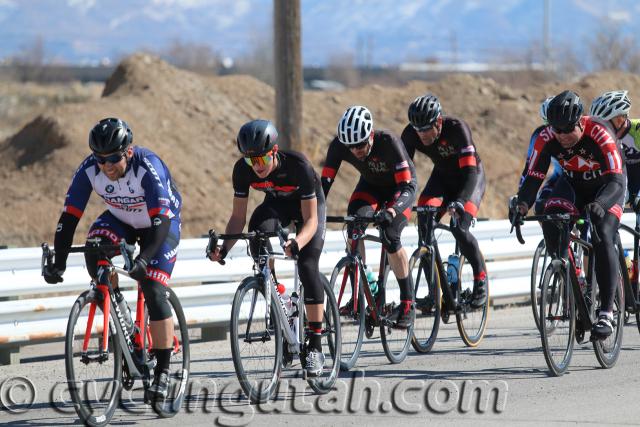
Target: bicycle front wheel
[(256, 341), (93, 374), (331, 340), (352, 319), (179, 367), (395, 341), (428, 300), (538, 266), (607, 351), (471, 322), (557, 318)]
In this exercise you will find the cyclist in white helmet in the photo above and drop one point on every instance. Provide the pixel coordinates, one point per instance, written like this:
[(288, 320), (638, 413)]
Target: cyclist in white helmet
[(613, 107), (387, 186)]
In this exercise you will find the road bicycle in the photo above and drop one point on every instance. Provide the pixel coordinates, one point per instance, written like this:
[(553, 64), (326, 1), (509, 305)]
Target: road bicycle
[(103, 356), (266, 334), (569, 306), (539, 264), (360, 312), (442, 288)]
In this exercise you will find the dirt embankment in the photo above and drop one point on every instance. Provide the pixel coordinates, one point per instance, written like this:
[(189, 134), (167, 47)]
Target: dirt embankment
[(191, 122)]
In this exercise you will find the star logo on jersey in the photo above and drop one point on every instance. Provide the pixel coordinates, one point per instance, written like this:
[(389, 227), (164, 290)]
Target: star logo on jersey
[(579, 164), (583, 151), (109, 189)]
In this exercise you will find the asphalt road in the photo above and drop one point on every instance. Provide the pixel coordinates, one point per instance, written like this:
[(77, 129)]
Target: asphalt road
[(435, 387)]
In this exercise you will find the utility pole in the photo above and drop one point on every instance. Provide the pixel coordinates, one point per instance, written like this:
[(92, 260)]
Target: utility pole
[(288, 69), (545, 35)]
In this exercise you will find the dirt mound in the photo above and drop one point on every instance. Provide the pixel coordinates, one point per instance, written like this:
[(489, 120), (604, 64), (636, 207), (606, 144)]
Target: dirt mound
[(191, 122)]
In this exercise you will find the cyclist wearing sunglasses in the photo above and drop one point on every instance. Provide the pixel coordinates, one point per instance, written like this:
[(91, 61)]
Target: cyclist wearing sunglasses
[(613, 107), (387, 182), (457, 179), (593, 181), (293, 194), (543, 193), (143, 205)]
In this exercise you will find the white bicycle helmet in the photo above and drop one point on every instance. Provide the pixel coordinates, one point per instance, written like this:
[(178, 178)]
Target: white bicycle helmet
[(355, 126), (611, 104), (543, 109)]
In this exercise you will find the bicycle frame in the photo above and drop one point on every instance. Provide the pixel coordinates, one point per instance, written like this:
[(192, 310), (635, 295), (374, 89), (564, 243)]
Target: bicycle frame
[(356, 258), (430, 244)]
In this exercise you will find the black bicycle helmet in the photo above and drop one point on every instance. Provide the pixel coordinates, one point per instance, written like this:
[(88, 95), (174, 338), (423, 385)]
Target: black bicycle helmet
[(565, 109), (110, 135), (424, 111), (256, 137)]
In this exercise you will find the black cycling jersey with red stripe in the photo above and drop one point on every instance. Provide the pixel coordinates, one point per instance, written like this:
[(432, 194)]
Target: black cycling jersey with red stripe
[(293, 178), (387, 166), (453, 154), (593, 162)]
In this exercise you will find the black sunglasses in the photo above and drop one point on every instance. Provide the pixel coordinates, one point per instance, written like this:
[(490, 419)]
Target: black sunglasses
[(358, 146), (563, 131), (423, 128), (111, 158)]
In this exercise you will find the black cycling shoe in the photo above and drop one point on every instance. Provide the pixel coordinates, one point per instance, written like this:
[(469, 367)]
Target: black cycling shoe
[(160, 387), (603, 328), (479, 297), (426, 305), (404, 313), (347, 309)]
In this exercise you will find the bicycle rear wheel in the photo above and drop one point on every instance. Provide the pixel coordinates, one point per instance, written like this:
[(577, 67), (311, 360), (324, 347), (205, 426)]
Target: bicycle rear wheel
[(331, 341), (395, 341), (607, 351), (179, 367), (256, 341), (557, 318), (93, 375), (471, 322), (352, 320), (538, 266), (428, 300)]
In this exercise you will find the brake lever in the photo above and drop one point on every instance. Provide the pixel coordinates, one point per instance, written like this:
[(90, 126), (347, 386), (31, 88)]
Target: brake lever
[(127, 251), (212, 245), (47, 257)]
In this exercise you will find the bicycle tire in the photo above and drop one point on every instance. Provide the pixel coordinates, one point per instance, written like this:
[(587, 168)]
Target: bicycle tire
[(76, 326), (426, 325), (395, 341), (557, 306), (261, 389), (536, 280), (170, 406), (472, 323), (331, 340), (352, 322), (607, 351)]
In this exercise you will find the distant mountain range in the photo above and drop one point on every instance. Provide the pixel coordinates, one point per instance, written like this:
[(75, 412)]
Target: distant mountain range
[(370, 31)]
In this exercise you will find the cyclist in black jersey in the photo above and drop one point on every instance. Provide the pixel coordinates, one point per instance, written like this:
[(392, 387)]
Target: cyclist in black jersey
[(293, 194), (457, 180), (387, 187), (593, 181)]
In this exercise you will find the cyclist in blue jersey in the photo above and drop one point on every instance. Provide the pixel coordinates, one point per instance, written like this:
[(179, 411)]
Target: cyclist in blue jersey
[(143, 205), (544, 192)]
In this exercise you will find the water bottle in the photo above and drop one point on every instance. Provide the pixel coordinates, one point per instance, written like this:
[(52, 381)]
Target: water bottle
[(629, 261), (124, 310), (285, 299), (372, 280), (453, 265)]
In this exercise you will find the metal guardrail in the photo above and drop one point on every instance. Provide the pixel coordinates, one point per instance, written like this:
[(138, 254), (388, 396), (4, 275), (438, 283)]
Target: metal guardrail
[(30, 313)]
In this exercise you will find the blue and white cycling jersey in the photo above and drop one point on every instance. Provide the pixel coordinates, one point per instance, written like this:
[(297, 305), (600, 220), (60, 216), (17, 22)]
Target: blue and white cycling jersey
[(145, 190)]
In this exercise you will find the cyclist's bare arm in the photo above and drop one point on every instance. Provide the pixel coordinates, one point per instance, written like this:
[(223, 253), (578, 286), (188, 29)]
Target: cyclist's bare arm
[(235, 225)]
